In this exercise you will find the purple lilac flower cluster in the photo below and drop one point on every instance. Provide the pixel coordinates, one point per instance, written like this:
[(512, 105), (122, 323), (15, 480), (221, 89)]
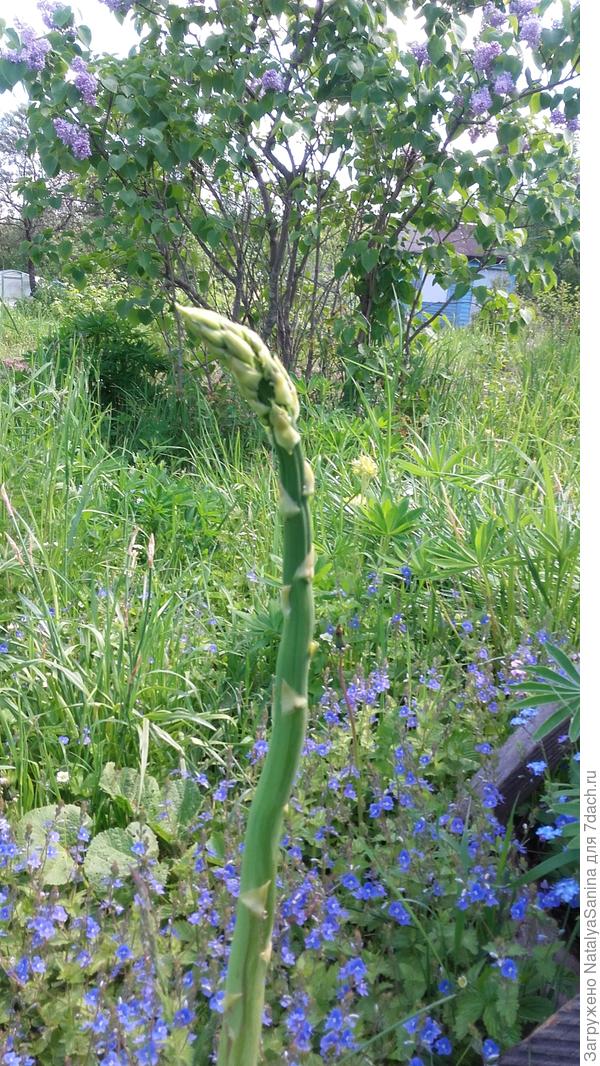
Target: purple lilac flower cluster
[(48, 10), (530, 31), (493, 16), (484, 55), (272, 81), (481, 101), (74, 137), (522, 8), (118, 7), (419, 51), (33, 50), (504, 84), (85, 82)]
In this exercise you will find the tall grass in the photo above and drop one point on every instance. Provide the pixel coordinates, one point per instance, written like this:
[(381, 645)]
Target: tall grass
[(479, 437)]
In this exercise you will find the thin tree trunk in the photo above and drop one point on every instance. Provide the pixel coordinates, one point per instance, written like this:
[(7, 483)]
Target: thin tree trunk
[(32, 277)]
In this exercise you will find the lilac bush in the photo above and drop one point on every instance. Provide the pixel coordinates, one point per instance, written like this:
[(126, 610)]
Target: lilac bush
[(522, 8)]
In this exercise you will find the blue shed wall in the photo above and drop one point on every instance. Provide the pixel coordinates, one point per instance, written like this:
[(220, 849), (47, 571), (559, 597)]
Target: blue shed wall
[(461, 312)]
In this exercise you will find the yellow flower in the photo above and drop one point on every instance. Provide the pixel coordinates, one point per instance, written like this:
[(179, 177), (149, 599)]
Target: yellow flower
[(364, 467)]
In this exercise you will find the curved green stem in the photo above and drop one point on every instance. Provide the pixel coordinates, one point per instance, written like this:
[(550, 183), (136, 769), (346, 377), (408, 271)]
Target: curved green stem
[(251, 947), (266, 386)]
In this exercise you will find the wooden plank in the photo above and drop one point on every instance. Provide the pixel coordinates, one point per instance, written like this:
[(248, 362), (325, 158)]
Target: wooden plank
[(554, 1043), (508, 770)]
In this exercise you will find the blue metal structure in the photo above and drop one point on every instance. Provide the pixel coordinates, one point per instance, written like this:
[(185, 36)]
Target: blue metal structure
[(462, 311)]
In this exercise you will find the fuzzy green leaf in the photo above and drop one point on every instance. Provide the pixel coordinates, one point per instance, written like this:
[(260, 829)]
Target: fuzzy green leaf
[(110, 853), (57, 864)]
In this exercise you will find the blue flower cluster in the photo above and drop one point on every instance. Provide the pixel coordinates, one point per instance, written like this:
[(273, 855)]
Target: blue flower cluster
[(371, 853)]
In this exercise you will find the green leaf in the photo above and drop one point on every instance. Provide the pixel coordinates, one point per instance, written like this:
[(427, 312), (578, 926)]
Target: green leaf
[(570, 857), (535, 1008), (179, 804), (62, 16), (221, 168), (110, 854), (550, 724), (117, 160), (85, 35), (151, 134), (369, 258), (436, 49), (564, 662), (110, 83), (507, 1003), (508, 133), (10, 74), (124, 104), (33, 829), (535, 103), (469, 1009), (216, 844), (127, 784), (129, 196), (356, 66)]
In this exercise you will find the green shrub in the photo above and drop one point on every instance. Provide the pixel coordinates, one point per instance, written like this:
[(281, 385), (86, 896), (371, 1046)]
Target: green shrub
[(123, 362)]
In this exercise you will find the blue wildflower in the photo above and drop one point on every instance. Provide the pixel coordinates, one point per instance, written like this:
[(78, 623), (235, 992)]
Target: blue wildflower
[(508, 969), (183, 1017), (399, 913), (338, 1034), (123, 953), (491, 797), (259, 751), (519, 909), (548, 832), (490, 1050), (430, 1032), (443, 1046), (351, 882)]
